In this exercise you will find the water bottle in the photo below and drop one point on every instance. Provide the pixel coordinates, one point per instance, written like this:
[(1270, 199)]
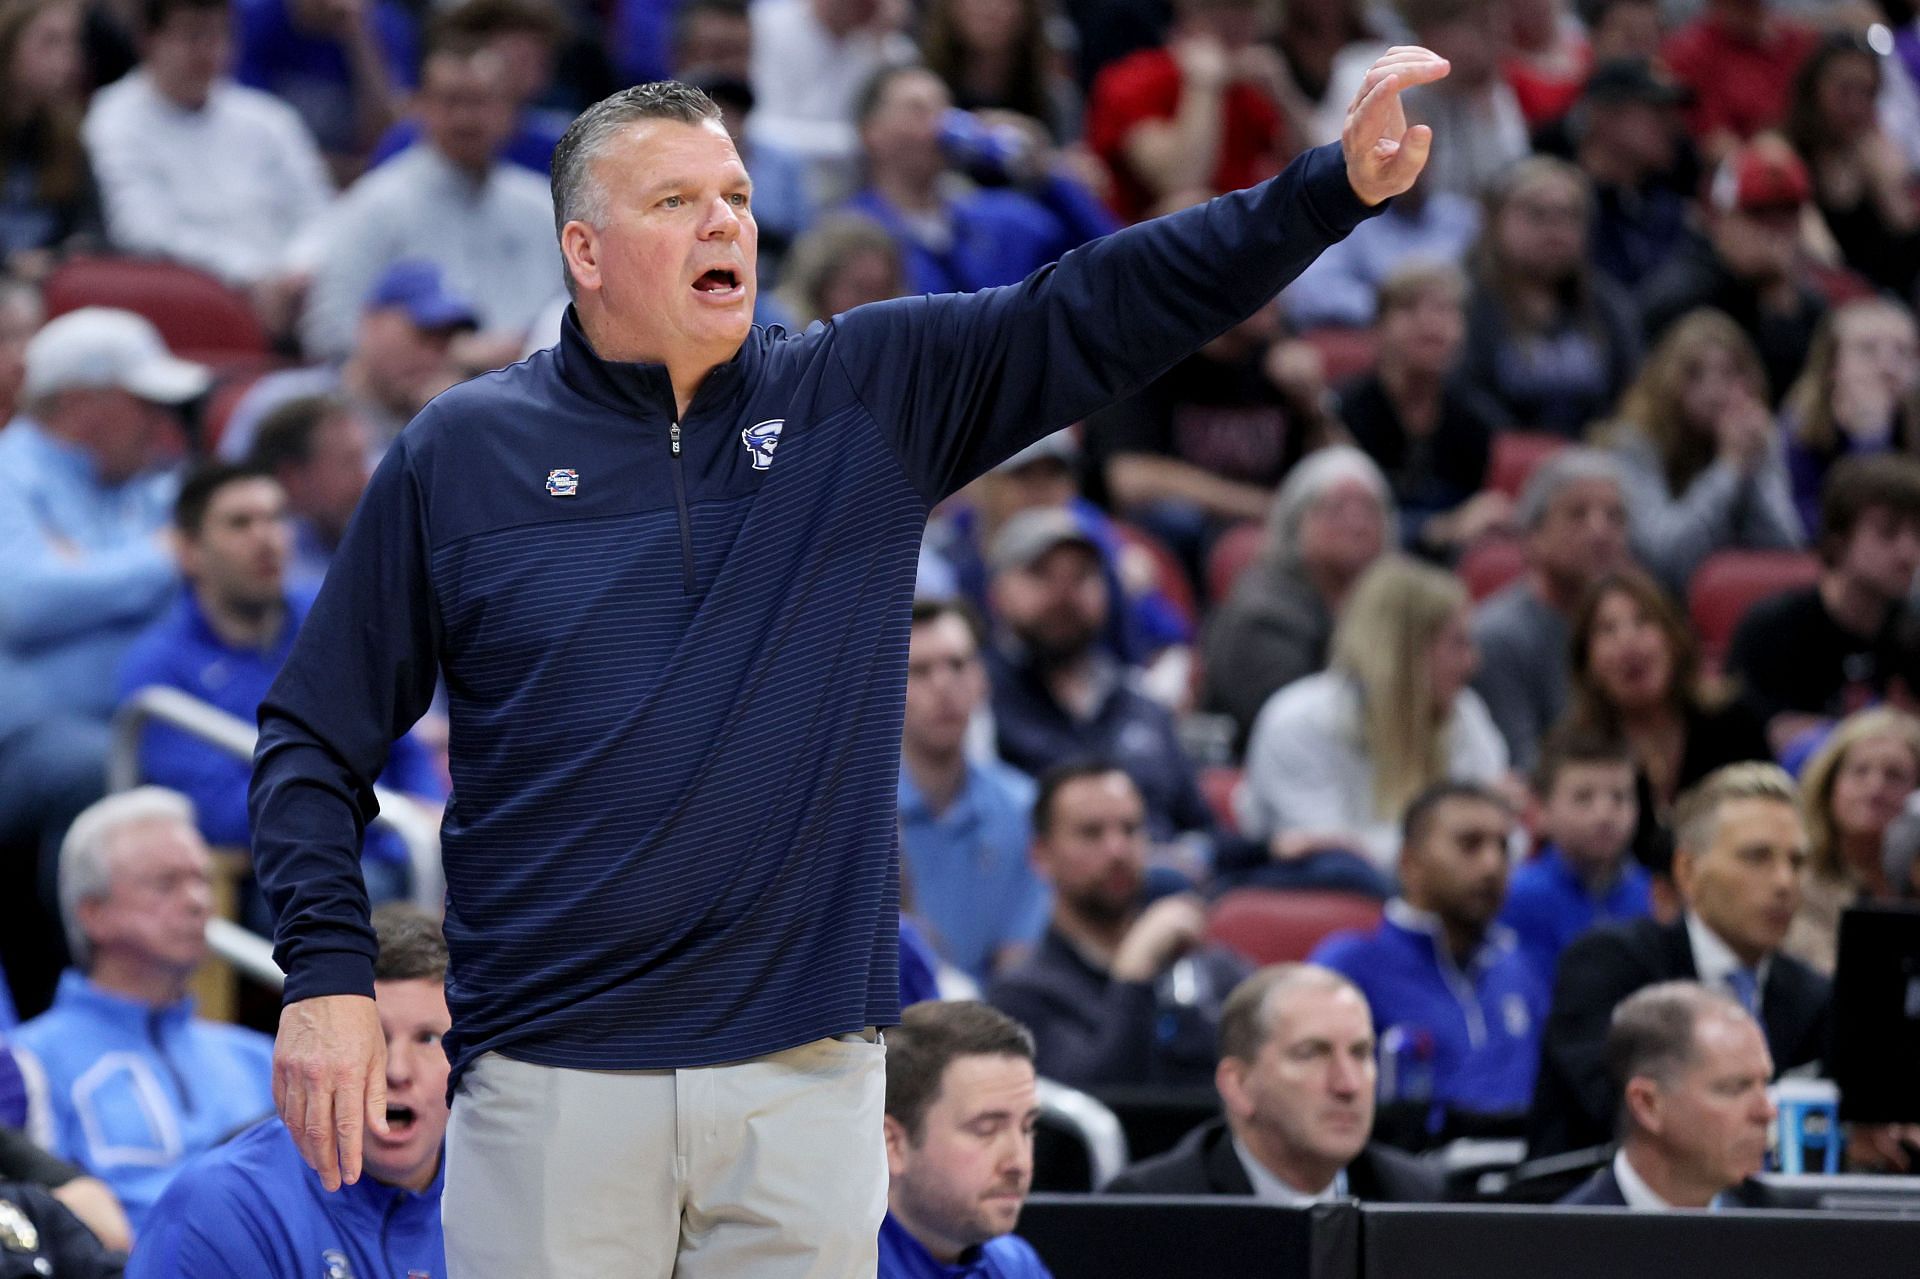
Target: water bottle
[(994, 155), (1806, 1133), (1406, 1065)]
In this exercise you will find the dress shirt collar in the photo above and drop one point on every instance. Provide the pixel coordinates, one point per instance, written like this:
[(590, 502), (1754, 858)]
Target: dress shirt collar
[(1714, 961), (1269, 1188), (1639, 1195)]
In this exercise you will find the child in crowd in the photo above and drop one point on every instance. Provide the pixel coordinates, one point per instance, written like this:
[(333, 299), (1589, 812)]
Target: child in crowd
[(1584, 874)]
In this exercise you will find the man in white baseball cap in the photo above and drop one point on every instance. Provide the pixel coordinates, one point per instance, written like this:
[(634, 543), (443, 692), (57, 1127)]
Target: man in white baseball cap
[(85, 563)]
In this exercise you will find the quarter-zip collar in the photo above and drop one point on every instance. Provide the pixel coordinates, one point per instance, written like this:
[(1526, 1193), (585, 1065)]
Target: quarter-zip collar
[(77, 991), (1462, 982), (628, 388)]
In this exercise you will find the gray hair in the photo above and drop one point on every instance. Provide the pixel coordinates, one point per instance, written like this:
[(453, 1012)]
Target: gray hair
[(1315, 474), (84, 873), (1651, 1034), (1559, 473), (1246, 1019), (577, 195)]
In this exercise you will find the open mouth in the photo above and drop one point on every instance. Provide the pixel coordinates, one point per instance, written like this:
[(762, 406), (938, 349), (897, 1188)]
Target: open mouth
[(400, 1120), (718, 282)]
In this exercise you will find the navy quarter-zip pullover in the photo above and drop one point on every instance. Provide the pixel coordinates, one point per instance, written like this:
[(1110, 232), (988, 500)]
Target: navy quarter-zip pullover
[(675, 652)]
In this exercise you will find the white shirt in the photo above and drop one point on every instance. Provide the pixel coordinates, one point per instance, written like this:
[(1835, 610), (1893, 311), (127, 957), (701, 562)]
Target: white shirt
[(226, 188), (1270, 1189), (1307, 769), (806, 83), (492, 239), (1715, 961), (1639, 1195)]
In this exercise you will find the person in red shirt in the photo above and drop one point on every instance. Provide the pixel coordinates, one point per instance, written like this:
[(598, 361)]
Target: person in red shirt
[(1204, 114), (1739, 60)]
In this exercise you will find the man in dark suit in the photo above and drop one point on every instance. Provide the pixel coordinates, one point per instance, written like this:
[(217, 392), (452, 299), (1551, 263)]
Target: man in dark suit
[(1691, 1067), (1740, 857), (1296, 1075)]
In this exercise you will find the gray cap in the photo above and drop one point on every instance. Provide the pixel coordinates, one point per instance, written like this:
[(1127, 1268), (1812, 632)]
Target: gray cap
[(100, 347), (1031, 534), (1059, 447)]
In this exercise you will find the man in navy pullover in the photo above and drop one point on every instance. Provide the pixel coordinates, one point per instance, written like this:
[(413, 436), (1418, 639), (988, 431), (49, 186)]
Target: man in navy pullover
[(665, 569)]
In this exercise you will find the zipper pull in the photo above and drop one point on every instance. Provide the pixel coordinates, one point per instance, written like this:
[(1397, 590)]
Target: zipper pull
[(673, 434)]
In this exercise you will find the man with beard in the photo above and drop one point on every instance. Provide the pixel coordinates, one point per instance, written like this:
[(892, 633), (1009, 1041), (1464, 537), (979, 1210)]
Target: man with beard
[(1057, 694), (1119, 991), (1296, 1079), (1458, 1005), (959, 1124)]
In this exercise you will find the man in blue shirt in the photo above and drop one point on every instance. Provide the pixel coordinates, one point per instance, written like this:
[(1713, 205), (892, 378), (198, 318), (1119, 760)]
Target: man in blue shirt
[(85, 562), (225, 639), (666, 569), (136, 1084), (963, 822), (958, 241), (960, 1113), (1586, 874), (344, 65), (1458, 1006), (252, 1207)]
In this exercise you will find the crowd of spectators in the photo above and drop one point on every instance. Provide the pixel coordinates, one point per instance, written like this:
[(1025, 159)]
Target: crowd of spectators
[(1399, 588)]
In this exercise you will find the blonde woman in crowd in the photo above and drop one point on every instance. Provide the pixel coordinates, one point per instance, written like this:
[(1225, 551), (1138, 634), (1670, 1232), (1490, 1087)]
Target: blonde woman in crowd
[(1331, 520), (1336, 757), (1850, 793), (1699, 456)]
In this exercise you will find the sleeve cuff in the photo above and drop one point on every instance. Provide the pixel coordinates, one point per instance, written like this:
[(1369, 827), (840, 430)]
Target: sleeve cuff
[(331, 972), (1330, 195)]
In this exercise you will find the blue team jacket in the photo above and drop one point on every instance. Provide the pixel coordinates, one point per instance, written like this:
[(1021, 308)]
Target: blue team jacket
[(134, 1091), (252, 1208), (1008, 1257), (675, 651), (1479, 1024)]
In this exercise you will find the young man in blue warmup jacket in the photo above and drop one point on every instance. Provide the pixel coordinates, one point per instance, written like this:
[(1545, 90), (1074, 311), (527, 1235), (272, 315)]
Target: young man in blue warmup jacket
[(665, 569), (252, 1207)]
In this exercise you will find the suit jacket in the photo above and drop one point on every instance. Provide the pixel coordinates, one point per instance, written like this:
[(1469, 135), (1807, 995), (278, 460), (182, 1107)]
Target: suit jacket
[(1205, 1163), (1574, 1101), (1602, 1190)]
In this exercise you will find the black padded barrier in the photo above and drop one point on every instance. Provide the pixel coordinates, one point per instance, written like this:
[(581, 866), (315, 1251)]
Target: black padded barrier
[(1510, 1242), (1182, 1237)]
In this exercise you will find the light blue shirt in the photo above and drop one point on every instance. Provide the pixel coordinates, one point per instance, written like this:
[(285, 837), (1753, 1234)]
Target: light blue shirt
[(972, 883), (81, 572), (1341, 286)]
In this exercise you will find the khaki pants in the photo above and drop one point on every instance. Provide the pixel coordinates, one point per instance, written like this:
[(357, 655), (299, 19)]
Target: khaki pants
[(772, 1167)]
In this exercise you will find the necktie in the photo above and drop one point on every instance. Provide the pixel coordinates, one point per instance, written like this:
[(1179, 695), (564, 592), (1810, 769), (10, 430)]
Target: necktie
[(1746, 988)]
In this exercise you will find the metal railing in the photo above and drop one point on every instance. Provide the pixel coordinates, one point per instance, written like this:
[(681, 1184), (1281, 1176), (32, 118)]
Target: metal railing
[(1096, 1127), (245, 950)]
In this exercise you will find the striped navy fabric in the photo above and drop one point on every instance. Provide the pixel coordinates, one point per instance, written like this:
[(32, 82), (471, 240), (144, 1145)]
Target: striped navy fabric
[(676, 678)]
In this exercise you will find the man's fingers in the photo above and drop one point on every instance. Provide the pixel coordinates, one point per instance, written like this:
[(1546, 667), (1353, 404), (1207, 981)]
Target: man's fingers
[(1415, 147), (349, 1100), (316, 1135), (377, 1099), (293, 1112)]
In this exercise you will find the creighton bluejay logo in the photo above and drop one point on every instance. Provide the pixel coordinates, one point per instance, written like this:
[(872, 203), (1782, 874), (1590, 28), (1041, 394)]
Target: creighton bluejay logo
[(760, 439), (337, 1265)]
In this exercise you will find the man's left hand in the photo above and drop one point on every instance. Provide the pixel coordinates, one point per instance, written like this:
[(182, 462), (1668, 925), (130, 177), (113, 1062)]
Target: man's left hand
[(1385, 155)]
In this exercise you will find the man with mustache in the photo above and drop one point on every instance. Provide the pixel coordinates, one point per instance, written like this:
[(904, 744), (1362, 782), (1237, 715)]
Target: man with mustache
[(1458, 1004), (1296, 1078)]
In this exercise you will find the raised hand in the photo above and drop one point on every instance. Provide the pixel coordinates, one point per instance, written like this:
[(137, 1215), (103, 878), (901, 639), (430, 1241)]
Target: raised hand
[(1383, 154)]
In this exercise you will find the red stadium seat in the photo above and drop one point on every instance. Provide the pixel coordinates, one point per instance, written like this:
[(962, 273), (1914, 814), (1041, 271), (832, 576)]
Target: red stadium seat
[(1277, 926), (1232, 555), (1346, 353), (1490, 564), (1731, 582), (200, 317), (1168, 576), (1218, 784), (1517, 455)]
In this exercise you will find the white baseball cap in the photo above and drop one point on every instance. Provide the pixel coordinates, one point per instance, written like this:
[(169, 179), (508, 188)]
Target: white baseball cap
[(101, 347)]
